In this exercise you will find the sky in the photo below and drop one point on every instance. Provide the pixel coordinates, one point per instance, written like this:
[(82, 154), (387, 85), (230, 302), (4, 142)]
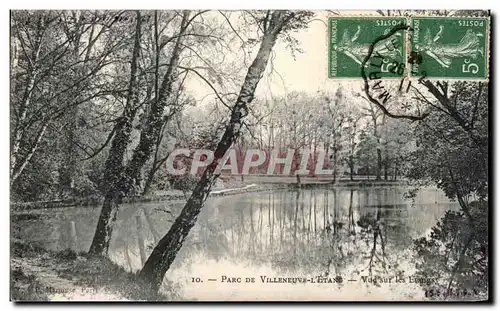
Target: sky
[(307, 72)]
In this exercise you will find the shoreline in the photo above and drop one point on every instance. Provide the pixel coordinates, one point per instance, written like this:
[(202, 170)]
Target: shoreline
[(39, 274), (179, 195)]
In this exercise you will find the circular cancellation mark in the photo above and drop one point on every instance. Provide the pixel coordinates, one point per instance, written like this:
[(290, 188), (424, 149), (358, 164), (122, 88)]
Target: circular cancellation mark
[(379, 64)]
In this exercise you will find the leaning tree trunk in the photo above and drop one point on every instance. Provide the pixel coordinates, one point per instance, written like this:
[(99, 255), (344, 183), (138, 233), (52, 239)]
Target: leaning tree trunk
[(167, 248), (126, 176), (113, 173)]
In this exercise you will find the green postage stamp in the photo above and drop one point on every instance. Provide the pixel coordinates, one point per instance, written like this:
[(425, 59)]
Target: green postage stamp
[(350, 39), (446, 47), (451, 47)]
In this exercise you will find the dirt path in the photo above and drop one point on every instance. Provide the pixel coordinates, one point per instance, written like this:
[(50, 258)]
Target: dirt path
[(39, 278)]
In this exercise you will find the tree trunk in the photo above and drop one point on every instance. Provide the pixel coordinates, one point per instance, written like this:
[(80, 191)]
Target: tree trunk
[(149, 180), (155, 119), (351, 171), (334, 174), (396, 170), (379, 164), (165, 252), (102, 235), (115, 189), (16, 168), (126, 177), (26, 159)]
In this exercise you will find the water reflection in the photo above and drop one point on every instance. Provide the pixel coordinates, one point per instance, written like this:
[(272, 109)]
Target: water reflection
[(316, 232)]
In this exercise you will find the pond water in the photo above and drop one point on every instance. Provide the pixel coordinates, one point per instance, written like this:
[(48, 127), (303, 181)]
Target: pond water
[(312, 244)]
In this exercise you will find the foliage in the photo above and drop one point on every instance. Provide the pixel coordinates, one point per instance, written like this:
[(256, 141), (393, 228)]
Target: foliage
[(454, 255), (455, 155), (452, 152), (185, 183), (366, 153)]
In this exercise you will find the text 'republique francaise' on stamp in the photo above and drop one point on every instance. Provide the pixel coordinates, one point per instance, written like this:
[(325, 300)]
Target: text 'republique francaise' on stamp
[(350, 40), (436, 47)]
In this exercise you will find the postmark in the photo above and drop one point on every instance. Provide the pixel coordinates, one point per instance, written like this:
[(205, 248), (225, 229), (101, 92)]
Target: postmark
[(350, 39), (450, 47), (377, 90)]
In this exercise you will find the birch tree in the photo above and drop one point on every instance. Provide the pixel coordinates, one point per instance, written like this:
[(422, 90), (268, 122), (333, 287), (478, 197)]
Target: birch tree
[(119, 177), (52, 73), (272, 24)]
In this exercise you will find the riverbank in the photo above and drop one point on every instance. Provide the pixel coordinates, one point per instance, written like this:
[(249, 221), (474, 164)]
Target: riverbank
[(38, 274), (168, 195), (251, 183)]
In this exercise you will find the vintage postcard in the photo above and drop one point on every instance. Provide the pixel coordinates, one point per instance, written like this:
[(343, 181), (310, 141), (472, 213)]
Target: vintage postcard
[(249, 155)]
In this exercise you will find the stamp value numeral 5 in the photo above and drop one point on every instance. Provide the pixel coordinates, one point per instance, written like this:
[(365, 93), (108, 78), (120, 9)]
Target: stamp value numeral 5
[(470, 67)]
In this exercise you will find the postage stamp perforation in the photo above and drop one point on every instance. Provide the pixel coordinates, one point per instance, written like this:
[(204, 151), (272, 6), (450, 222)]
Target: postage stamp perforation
[(487, 52), (473, 44), (350, 38), (458, 59)]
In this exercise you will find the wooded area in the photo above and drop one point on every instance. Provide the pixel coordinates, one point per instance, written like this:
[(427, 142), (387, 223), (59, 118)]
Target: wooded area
[(100, 99)]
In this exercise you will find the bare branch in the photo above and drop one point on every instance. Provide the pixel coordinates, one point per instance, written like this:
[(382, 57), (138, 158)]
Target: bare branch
[(208, 83)]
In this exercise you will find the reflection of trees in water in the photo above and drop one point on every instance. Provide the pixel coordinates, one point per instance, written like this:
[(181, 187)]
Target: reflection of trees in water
[(322, 230), (334, 257), (315, 229), (371, 228), (351, 229), (383, 236), (340, 238), (278, 228), (54, 230), (156, 235), (454, 254)]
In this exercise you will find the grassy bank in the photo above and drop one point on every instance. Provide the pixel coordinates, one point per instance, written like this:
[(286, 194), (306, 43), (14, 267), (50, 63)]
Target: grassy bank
[(38, 274)]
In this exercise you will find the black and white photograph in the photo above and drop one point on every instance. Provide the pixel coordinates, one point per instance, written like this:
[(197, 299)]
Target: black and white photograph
[(250, 155)]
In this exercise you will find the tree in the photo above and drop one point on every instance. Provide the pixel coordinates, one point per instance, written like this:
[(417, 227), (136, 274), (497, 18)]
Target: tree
[(453, 152), (153, 91), (366, 153), (335, 123), (272, 23), (53, 73), (119, 178), (352, 133)]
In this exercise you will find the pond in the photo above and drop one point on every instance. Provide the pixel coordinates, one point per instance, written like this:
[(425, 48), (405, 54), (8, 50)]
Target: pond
[(312, 244)]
